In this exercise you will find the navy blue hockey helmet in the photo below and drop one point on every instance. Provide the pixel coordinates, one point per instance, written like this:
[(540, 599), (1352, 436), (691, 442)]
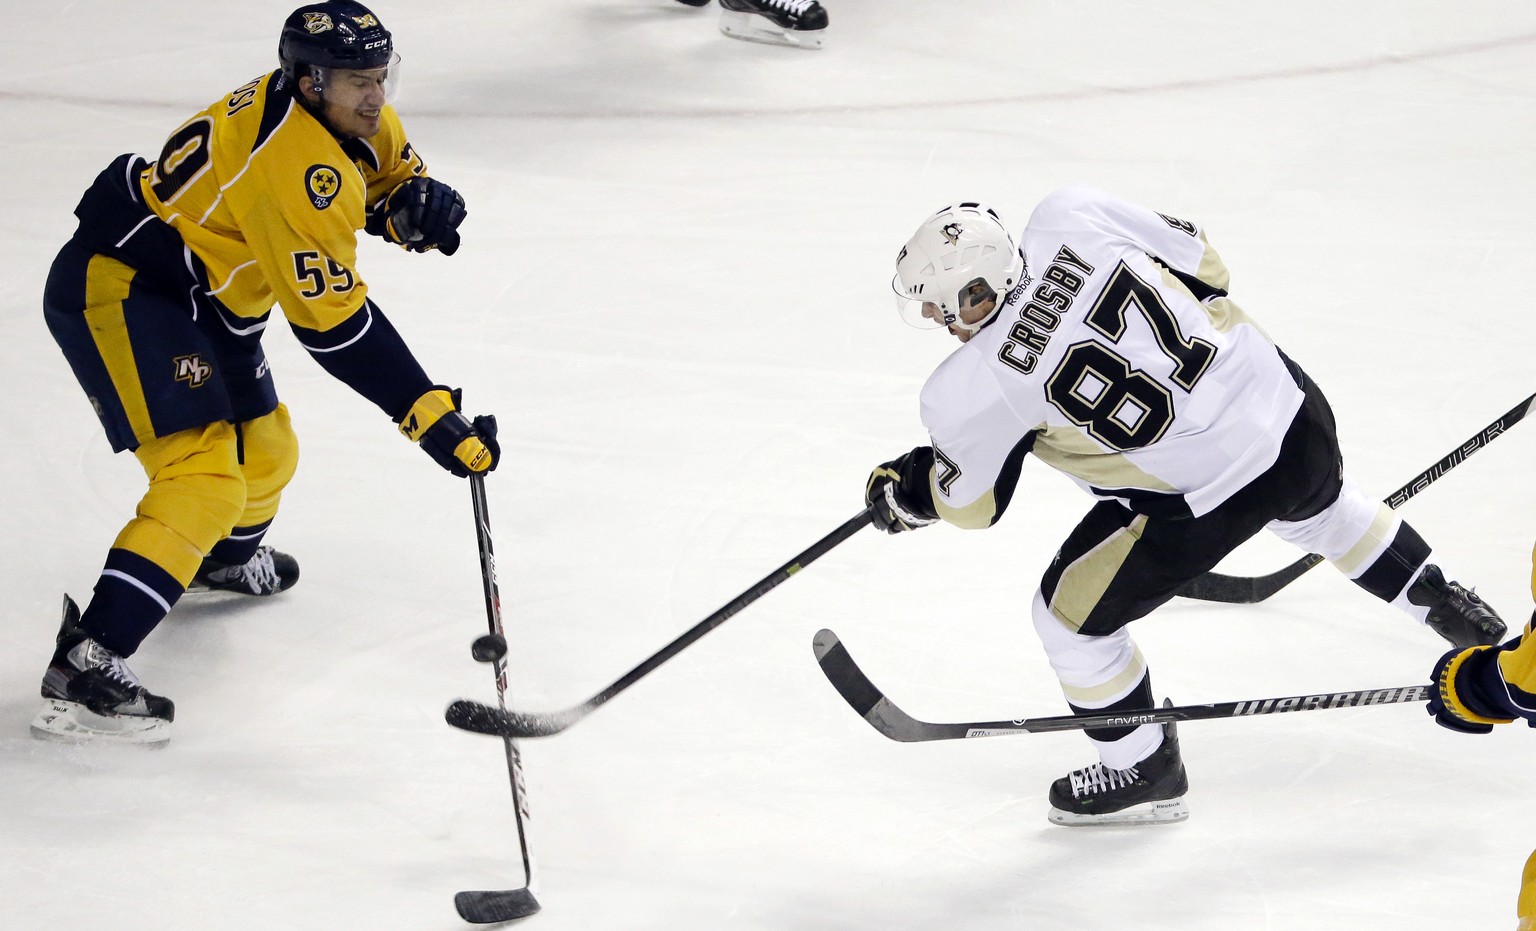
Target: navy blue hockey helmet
[(333, 34)]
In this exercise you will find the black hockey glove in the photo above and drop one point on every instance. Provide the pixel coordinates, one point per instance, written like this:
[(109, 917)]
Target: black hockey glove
[(897, 492), (420, 214), (455, 442), (1453, 697)]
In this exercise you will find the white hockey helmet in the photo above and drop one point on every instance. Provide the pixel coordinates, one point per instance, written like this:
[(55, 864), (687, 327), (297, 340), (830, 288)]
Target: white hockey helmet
[(954, 249)]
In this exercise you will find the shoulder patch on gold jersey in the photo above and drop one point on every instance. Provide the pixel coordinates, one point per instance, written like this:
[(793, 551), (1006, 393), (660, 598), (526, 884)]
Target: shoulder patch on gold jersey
[(323, 183)]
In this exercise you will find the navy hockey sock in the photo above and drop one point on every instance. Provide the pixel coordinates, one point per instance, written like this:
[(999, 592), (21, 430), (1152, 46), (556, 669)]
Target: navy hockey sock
[(132, 595)]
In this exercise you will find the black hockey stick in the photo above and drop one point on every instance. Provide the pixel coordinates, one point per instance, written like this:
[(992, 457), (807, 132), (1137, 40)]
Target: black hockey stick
[(1239, 589), (489, 906), (483, 719), (872, 705)]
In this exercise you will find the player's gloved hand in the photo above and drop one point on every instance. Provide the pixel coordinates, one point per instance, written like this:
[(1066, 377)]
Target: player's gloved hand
[(897, 492), (1453, 689), (458, 444), (420, 214)]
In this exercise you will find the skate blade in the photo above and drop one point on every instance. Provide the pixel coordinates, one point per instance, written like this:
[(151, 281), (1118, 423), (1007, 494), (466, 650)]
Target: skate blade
[(751, 27), (1165, 811), (72, 722)]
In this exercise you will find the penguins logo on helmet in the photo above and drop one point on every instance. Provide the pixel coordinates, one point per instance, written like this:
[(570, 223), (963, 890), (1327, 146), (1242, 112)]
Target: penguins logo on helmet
[(953, 251), (316, 23)]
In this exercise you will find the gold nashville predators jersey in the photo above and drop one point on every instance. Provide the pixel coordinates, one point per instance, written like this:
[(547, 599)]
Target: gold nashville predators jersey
[(270, 202), (1517, 670), (1119, 361)]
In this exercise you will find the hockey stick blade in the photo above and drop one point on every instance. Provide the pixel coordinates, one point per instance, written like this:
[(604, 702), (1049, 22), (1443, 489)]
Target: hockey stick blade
[(485, 908), (882, 714), (1246, 590), (483, 719), (1238, 589), (479, 718)]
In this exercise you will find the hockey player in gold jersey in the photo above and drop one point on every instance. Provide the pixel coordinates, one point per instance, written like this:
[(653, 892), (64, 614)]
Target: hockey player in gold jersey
[(159, 302), (1481, 686)]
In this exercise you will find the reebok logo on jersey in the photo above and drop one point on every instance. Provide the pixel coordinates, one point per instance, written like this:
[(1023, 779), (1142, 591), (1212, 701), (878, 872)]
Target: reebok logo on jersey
[(193, 370), (323, 184), (315, 23)]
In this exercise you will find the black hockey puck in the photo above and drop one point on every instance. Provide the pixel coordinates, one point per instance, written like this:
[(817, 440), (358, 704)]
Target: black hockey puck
[(488, 648)]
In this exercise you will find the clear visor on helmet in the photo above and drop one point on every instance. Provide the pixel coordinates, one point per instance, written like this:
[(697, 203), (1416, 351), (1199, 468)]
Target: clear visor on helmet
[(967, 310), (357, 89)]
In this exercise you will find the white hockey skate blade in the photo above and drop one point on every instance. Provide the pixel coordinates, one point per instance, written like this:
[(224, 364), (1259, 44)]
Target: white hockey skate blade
[(73, 722), (752, 27), (1165, 811)]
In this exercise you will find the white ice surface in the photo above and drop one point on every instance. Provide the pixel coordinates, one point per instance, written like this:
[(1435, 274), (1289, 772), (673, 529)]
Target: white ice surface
[(673, 294)]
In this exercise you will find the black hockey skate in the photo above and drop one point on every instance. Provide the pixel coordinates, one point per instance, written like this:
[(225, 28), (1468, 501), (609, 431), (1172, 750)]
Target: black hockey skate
[(796, 23), (1455, 612), (1150, 792), (89, 692), (266, 573)]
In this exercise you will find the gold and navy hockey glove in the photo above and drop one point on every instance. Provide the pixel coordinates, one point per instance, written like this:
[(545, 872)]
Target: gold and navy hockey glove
[(420, 214), (452, 440), (897, 492), (1453, 700)]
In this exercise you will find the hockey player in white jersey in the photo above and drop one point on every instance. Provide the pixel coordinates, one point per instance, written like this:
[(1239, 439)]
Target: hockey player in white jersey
[(1105, 344)]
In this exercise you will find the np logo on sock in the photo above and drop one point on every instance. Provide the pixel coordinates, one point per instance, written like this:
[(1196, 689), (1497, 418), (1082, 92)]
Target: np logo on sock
[(193, 370)]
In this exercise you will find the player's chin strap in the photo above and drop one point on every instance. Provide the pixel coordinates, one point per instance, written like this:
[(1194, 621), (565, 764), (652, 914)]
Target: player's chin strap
[(315, 111), (972, 328)]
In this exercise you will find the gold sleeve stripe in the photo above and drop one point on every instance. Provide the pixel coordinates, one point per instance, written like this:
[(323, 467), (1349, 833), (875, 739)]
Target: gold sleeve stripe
[(106, 287), (974, 516)]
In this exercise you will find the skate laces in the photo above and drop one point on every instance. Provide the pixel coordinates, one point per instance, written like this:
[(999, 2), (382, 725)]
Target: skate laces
[(1099, 778), (791, 6), (109, 663), (258, 573)]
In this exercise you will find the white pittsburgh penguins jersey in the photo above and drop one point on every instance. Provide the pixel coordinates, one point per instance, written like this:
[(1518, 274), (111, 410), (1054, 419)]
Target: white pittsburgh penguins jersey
[(1106, 365)]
